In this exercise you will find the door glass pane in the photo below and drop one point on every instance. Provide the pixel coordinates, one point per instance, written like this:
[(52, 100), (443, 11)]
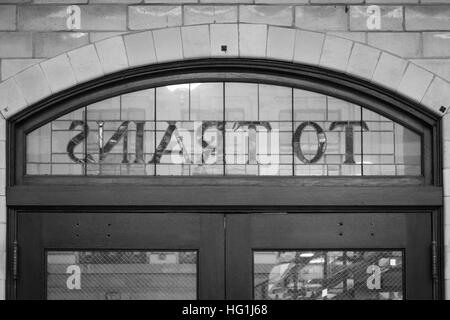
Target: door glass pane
[(328, 275), (121, 275)]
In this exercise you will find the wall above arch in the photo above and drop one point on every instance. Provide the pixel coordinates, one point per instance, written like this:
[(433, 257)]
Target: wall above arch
[(228, 41)]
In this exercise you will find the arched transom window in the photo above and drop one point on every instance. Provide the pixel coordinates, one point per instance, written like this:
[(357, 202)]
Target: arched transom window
[(223, 128)]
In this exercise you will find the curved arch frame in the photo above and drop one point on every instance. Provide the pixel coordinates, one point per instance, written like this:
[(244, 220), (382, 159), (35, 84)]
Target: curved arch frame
[(342, 86)]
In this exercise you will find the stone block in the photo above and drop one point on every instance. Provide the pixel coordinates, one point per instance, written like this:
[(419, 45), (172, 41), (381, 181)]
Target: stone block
[(308, 47), (391, 18), (99, 36), (20, 45), (224, 40), (59, 73), (7, 17), (272, 14), (210, 14), (252, 40), (354, 36), (436, 44), (281, 43), (10, 67), (441, 67), (50, 44), (328, 18), (404, 44), (196, 42), (168, 45), (11, 98), (438, 95), (112, 54), (336, 53), (153, 17), (363, 61), (389, 71), (427, 17), (415, 82), (55, 17), (140, 48), (85, 63), (33, 84)]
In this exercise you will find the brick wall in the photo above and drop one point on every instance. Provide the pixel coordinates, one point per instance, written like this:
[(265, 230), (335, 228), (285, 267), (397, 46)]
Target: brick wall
[(34, 30)]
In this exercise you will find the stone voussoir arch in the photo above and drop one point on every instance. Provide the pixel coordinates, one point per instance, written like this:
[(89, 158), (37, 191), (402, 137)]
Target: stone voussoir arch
[(228, 41)]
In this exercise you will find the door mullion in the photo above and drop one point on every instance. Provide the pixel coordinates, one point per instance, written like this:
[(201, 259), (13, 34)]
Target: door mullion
[(239, 263), (212, 258)]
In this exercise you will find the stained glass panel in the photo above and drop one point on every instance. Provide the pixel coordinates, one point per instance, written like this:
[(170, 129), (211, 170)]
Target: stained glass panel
[(224, 129)]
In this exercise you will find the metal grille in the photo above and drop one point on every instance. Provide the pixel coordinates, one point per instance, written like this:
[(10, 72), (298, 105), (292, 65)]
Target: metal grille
[(328, 275), (121, 275)]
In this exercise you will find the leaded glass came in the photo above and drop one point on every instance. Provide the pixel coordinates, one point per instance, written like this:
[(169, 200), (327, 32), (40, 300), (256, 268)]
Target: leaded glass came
[(224, 129)]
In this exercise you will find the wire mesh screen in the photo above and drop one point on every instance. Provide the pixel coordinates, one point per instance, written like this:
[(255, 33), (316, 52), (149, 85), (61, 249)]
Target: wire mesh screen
[(121, 275), (328, 275)]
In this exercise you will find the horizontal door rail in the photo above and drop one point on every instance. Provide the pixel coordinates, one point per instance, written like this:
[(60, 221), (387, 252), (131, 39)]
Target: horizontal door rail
[(220, 196)]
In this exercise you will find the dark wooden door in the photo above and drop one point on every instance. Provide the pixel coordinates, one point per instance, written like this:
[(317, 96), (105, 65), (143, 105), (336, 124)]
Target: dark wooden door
[(329, 256), (120, 256)]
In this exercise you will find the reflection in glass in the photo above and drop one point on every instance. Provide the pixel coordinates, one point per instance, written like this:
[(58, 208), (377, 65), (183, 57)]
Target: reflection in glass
[(207, 101), (121, 275), (172, 102), (407, 152), (330, 138), (241, 102), (222, 128), (139, 105), (328, 275), (105, 110), (39, 150), (275, 103)]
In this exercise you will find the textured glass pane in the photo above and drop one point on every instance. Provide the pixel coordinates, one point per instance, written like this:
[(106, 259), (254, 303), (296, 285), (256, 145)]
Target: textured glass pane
[(378, 145), (75, 115), (121, 275), (209, 159), (328, 275), (138, 105), (100, 134), (172, 102), (48, 147), (180, 143), (207, 101), (327, 136), (121, 134), (38, 169), (309, 106), (241, 102), (340, 110), (389, 149), (39, 145), (275, 103), (224, 129), (258, 149), (67, 169), (407, 151), (104, 110)]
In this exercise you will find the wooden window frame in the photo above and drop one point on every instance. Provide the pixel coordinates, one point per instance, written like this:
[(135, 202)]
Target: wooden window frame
[(405, 112)]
